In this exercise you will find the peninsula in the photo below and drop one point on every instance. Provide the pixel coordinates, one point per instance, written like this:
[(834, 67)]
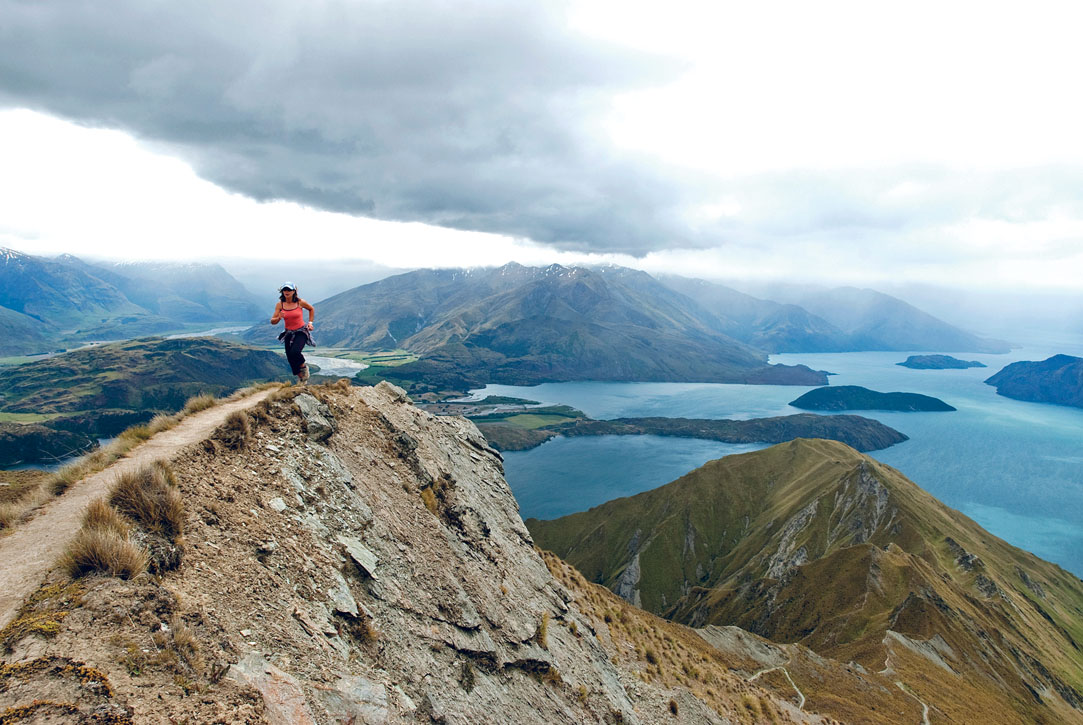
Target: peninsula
[(1057, 380)]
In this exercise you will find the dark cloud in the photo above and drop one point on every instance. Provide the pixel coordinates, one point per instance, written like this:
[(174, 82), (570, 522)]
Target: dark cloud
[(472, 115)]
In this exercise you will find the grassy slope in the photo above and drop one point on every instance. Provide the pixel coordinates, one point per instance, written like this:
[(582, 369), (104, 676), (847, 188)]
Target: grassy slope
[(717, 546), (134, 375)]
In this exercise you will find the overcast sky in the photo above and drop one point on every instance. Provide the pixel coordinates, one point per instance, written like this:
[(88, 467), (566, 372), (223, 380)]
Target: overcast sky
[(835, 142)]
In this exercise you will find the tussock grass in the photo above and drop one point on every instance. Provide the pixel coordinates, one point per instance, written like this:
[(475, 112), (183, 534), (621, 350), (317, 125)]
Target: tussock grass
[(137, 433), (9, 514), (198, 403), (13, 512), (102, 550), (150, 497), (101, 516), (235, 431)]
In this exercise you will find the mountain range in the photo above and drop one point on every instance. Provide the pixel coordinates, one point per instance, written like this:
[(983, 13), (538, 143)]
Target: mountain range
[(46, 303), (525, 325), (844, 319), (810, 542)]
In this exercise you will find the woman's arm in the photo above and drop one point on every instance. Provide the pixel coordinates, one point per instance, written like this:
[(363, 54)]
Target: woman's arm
[(311, 312), (277, 315)]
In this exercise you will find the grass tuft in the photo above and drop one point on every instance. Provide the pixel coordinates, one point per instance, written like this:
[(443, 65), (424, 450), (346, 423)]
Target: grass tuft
[(543, 631), (235, 431), (137, 433), (198, 403), (105, 551), (150, 497), (9, 514), (101, 516)]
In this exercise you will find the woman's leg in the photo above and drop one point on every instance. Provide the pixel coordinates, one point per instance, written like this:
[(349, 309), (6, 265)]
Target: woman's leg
[(293, 353)]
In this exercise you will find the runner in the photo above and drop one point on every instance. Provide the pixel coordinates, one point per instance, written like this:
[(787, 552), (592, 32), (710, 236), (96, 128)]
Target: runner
[(297, 333)]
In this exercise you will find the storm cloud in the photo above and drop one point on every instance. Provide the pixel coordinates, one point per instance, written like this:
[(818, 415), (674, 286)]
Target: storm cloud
[(779, 145), (475, 115)]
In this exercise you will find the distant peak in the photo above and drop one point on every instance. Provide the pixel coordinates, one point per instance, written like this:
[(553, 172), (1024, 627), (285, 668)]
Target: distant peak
[(11, 255)]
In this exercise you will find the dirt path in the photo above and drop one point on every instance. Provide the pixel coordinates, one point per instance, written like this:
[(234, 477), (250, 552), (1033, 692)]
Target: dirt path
[(28, 554), (924, 707), (801, 695)]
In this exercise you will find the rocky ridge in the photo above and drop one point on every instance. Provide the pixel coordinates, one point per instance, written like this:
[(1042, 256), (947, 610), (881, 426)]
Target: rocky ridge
[(348, 557)]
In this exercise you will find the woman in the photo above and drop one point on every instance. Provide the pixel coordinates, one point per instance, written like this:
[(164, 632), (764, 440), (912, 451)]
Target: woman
[(290, 308)]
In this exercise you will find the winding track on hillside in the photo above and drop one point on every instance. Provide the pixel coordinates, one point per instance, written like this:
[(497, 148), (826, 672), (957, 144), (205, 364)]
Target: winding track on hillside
[(27, 555)]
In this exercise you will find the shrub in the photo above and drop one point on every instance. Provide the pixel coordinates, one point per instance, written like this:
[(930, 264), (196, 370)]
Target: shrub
[(673, 707), (100, 550), (150, 497)]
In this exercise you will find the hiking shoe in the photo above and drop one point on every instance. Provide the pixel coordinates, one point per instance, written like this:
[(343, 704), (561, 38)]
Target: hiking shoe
[(303, 376)]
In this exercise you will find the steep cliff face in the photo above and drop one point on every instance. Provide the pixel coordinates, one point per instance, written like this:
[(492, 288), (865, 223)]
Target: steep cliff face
[(348, 557)]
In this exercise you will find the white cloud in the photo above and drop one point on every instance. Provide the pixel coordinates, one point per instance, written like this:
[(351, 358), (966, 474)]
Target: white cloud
[(841, 142)]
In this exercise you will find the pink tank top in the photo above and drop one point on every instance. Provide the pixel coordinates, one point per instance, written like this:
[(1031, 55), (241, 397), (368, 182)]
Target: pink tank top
[(295, 318)]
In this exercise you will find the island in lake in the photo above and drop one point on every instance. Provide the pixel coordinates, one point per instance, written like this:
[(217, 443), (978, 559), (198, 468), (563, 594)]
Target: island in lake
[(855, 397), (523, 427), (939, 362), (1057, 380)]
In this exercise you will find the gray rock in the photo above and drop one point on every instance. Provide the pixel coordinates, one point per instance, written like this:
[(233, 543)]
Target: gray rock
[(319, 422), (397, 394), (283, 698), (353, 699), (364, 558), (277, 504), (342, 600)]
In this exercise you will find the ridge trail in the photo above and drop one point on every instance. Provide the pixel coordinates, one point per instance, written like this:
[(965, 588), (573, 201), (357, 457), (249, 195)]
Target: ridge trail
[(801, 703), (32, 549)]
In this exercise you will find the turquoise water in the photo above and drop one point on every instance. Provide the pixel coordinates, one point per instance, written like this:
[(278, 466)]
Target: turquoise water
[(1014, 467)]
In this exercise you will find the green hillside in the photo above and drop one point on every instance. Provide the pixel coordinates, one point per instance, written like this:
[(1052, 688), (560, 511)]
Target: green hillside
[(811, 542)]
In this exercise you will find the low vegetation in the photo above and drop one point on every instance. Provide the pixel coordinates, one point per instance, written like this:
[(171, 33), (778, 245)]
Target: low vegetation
[(14, 508), (104, 551), (42, 613), (137, 527)]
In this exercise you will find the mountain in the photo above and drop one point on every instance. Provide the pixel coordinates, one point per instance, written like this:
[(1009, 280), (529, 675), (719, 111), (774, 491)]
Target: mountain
[(52, 303), (25, 335), (58, 292), (855, 397), (763, 324), (875, 321), (186, 292), (1058, 380), (523, 325), (811, 542)]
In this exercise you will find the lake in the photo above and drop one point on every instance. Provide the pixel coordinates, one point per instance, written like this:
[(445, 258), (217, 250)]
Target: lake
[(1014, 467)]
